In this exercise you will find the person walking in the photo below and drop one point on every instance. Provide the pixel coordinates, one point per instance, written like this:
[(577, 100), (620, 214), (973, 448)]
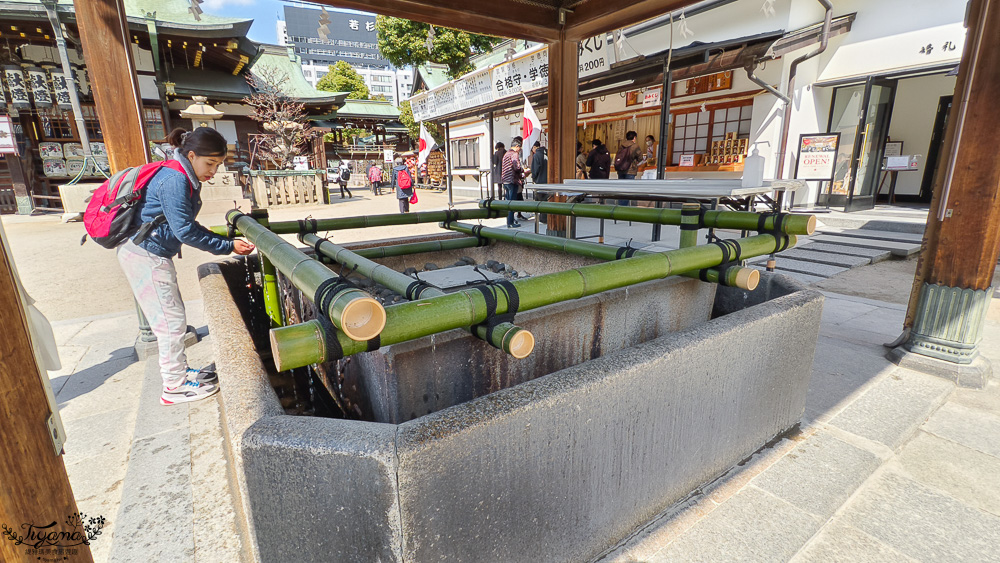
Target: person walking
[(375, 177), (627, 160), (628, 156), (344, 177), (402, 181), (599, 161), (497, 165), (512, 176), (170, 204)]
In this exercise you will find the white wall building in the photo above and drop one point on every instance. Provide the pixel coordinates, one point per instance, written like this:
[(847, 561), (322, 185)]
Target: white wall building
[(392, 83), (884, 78)]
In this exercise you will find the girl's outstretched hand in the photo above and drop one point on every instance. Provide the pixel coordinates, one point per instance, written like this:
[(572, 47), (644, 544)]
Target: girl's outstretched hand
[(242, 247)]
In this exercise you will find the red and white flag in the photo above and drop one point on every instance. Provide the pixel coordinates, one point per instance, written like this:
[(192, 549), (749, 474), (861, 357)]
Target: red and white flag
[(531, 126), (426, 144)]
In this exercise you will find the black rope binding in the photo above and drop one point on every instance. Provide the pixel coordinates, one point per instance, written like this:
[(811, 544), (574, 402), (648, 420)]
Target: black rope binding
[(308, 225), (334, 351), (700, 212), (327, 290), (626, 251), (231, 233), (490, 293), (782, 240), (375, 343)]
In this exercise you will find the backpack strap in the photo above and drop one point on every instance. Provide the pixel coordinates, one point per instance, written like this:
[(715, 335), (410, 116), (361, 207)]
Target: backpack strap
[(129, 178)]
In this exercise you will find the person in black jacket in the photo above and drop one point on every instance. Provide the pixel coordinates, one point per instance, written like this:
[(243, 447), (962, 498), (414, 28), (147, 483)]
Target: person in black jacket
[(497, 161), (539, 165), (599, 161)]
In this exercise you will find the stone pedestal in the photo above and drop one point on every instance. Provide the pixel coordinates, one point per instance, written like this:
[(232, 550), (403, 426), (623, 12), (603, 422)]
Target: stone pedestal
[(946, 333)]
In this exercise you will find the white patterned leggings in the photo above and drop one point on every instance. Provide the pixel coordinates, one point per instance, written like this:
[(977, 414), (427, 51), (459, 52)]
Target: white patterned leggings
[(154, 283)]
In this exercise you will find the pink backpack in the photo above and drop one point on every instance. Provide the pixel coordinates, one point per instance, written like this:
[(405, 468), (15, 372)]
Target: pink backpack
[(112, 214)]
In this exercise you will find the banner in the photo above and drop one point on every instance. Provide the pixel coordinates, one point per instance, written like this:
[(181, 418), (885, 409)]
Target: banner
[(594, 55), (474, 90), (817, 156), (528, 72)]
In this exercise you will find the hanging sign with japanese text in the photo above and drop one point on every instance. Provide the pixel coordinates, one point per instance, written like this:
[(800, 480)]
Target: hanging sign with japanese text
[(17, 87), (61, 88), (39, 88), (594, 55), (523, 74), (474, 90), (817, 156)]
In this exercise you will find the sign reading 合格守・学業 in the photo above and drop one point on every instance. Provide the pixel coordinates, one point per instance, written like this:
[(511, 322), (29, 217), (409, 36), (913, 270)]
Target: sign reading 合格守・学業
[(523, 74), (817, 156), (527, 72)]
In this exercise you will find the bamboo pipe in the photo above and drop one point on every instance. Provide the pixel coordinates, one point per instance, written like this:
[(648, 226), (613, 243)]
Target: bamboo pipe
[(736, 276), (717, 219), (351, 310), (269, 279), (364, 221), (300, 345), (505, 336), (421, 247)]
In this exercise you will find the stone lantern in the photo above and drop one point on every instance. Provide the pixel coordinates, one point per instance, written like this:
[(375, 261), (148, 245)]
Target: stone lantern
[(200, 113)]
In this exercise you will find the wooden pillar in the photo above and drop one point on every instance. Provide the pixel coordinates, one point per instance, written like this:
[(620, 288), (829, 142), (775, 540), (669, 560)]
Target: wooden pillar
[(34, 488), (104, 34), (563, 86), (22, 195), (953, 285)]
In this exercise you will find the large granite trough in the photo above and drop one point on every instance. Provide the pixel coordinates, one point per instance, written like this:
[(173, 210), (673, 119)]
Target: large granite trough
[(632, 399)]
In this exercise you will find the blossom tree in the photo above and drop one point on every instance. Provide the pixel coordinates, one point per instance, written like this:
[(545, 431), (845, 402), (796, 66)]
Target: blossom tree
[(284, 119)]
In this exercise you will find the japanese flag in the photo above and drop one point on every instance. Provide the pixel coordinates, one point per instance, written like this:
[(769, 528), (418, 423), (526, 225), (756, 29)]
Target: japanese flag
[(426, 144), (531, 127)]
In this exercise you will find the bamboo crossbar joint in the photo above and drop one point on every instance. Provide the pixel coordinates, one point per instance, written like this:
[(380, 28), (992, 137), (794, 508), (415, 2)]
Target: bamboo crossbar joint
[(508, 337)]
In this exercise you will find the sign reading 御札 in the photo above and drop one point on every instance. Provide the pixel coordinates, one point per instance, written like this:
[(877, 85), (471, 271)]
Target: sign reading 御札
[(817, 156)]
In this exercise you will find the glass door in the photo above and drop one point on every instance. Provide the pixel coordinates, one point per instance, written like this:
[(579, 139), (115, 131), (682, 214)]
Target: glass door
[(869, 145), (860, 113)]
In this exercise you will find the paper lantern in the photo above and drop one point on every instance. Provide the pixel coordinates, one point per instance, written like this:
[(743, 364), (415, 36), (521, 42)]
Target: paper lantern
[(17, 86), (39, 87), (61, 87)]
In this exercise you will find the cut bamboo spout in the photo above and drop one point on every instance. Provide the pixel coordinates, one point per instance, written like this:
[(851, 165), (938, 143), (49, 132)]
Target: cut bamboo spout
[(351, 310)]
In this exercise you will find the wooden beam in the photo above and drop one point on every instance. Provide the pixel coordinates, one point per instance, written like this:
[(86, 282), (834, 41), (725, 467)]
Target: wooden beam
[(563, 77), (105, 38), (34, 487), (961, 250), (593, 17), (507, 19)]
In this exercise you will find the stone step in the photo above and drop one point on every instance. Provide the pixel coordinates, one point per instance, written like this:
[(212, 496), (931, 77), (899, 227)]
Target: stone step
[(901, 249), (874, 254), (870, 234), (804, 278), (819, 257), (810, 268)]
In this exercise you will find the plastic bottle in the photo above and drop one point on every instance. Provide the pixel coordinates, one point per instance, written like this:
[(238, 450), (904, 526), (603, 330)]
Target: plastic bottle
[(753, 170)]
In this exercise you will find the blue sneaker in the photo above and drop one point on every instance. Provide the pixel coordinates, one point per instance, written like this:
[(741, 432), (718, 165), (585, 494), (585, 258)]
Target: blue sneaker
[(187, 392)]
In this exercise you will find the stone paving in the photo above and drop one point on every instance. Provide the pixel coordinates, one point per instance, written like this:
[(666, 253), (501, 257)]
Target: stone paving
[(887, 464)]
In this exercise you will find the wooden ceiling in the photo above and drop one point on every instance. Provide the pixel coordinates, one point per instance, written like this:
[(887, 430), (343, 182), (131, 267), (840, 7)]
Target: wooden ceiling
[(546, 21)]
